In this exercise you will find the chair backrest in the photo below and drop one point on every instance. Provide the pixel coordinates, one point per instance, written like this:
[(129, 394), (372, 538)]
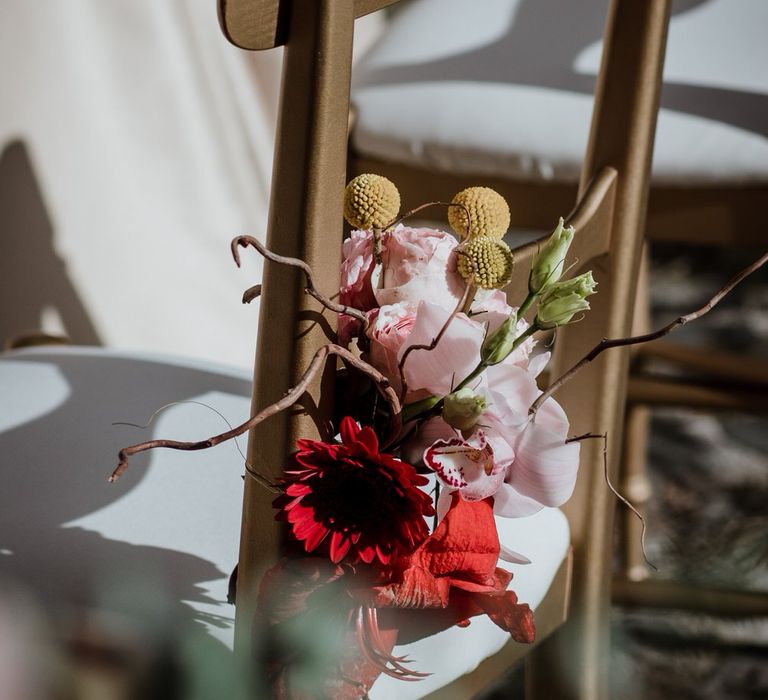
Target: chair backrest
[(306, 221)]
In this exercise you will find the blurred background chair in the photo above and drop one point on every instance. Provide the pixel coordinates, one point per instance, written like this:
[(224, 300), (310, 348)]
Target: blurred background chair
[(451, 96), (306, 222)]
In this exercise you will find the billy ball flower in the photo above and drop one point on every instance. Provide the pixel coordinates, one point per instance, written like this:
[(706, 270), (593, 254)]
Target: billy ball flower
[(370, 201), (547, 266), (488, 213), (562, 300), (490, 260), (352, 501)]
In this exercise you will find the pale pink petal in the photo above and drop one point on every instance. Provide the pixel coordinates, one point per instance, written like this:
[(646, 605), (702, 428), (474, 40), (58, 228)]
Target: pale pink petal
[(503, 453), (537, 364), (509, 555), (454, 357), (444, 501), (466, 465), (513, 389), (552, 416), (356, 268), (492, 300), (509, 503), (545, 466)]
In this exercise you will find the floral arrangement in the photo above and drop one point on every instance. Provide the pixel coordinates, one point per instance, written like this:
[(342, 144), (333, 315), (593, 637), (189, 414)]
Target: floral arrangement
[(425, 309), (391, 526)]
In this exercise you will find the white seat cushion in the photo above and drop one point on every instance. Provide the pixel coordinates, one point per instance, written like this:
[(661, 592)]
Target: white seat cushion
[(505, 88), (169, 528), (544, 538)]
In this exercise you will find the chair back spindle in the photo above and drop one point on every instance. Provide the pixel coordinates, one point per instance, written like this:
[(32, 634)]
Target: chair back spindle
[(305, 221), (621, 138)]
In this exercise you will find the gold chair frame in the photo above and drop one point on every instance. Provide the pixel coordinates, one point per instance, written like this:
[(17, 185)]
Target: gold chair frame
[(306, 221)]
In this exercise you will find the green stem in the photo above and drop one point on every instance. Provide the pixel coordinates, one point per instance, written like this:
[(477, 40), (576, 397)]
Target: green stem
[(527, 333), (526, 304), (415, 409)]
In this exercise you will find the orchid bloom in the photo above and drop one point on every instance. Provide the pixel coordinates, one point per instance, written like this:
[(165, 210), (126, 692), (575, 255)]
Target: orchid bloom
[(524, 463)]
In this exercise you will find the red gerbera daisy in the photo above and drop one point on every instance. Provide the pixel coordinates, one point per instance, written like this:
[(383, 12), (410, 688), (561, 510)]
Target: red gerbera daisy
[(358, 503)]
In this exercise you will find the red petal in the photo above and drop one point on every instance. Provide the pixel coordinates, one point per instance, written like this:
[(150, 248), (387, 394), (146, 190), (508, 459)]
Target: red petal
[(340, 545), (349, 430), (316, 536), (513, 617), (368, 438)]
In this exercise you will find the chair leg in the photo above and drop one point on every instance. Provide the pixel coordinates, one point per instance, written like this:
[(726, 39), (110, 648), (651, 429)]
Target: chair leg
[(572, 664)]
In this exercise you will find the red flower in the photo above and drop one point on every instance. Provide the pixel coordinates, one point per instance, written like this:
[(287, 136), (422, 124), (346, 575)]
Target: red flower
[(455, 570), (450, 577), (358, 503)]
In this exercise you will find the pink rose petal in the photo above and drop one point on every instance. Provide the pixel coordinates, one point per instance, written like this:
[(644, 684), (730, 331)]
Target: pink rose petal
[(454, 357)]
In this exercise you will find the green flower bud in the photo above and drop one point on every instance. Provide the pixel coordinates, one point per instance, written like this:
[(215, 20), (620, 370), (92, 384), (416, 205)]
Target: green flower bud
[(548, 264), (463, 408), (500, 343), (562, 300)]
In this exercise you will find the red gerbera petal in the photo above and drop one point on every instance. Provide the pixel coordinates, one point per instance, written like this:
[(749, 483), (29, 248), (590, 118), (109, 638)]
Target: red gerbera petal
[(369, 503)]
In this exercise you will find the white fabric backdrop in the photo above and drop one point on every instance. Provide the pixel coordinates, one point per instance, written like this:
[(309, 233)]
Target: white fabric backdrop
[(136, 142)]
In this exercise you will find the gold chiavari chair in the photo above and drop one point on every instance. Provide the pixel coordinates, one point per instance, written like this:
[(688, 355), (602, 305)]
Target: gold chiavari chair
[(570, 659)]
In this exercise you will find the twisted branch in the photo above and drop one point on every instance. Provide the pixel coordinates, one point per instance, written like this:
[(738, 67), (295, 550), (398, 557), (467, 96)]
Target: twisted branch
[(290, 398), (615, 491), (251, 293), (607, 343), (245, 241)]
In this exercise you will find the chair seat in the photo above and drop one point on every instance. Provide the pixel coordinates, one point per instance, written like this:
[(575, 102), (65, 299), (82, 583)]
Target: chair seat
[(173, 520), (167, 531), (500, 92)]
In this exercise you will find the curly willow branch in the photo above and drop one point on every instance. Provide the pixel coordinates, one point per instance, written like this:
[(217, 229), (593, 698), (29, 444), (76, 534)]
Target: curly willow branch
[(287, 401), (615, 491), (250, 294), (607, 343)]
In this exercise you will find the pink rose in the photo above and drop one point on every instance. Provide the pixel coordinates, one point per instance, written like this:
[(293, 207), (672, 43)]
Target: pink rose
[(419, 264), (389, 328)]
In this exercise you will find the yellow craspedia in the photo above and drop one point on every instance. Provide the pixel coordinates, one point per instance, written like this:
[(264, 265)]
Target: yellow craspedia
[(370, 201), (489, 259), (488, 213)]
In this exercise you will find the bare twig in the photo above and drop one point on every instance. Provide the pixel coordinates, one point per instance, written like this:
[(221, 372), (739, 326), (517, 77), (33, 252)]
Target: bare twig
[(251, 471), (607, 343), (416, 210), (614, 490), (468, 289), (245, 241), (251, 293), (288, 400)]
